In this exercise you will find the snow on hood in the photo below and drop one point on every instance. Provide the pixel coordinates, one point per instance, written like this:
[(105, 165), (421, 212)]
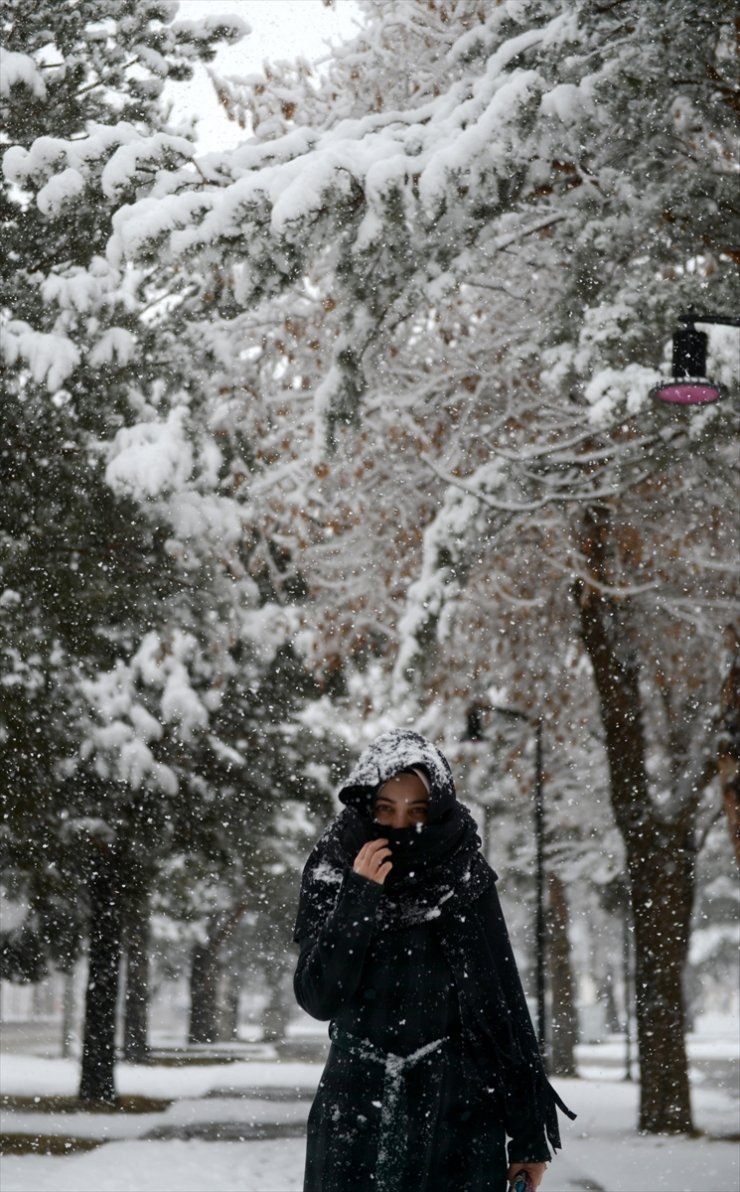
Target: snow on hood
[(394, 751)]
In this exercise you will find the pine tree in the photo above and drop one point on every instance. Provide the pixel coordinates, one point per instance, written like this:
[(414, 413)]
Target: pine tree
[(85, 567)]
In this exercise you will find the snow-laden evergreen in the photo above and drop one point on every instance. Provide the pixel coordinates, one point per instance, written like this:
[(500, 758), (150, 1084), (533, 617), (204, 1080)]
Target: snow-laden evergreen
[(147, 659)]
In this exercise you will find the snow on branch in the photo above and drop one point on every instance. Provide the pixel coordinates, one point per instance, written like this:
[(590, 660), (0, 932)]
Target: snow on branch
[(585, 493), (228, 27), (282, 184), (50, 358), (151, 458), (61, 168), (20, 70)]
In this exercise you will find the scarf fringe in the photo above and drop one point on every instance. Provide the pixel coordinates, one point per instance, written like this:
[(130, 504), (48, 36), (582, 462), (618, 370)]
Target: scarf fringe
[(548, 1102)]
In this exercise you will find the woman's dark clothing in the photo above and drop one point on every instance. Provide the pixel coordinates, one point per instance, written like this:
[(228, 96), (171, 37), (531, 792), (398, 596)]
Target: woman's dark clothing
[(433, 1056)]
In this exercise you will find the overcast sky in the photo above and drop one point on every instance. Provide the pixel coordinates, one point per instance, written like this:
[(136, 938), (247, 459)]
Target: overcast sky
[(280, 29)]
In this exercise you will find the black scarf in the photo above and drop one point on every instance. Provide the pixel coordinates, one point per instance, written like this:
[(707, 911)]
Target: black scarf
[(434, 866)]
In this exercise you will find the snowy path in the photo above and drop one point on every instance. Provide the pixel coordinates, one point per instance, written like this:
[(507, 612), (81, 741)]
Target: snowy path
[(170, 1151), (627, 1165)]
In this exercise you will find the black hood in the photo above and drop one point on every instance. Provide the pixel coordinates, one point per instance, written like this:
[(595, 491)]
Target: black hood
[(398, 750)]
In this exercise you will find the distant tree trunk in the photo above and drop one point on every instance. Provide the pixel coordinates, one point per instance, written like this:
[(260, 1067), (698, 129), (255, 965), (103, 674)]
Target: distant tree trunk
[(97, 1077), (229, 1024), (205, 975), (206, 970), (276, 1013), (606, 994), (660, 853), (729, 744), (564, 1018), (136, 994), (68, 1011)]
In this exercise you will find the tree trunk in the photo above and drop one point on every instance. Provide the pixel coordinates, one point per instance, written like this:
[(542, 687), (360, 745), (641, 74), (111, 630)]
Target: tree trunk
[(276, 1013), (660, 859), (205, 973), (612, 1024), (229, 1023), (662, 878), (205, 977), (68, 1011), (563, 1019), (136, 996), (97, 1077)]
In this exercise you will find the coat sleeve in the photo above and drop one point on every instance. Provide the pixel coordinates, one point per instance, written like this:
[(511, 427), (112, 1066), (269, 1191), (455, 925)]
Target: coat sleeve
[(329, 966), (528, 1089)]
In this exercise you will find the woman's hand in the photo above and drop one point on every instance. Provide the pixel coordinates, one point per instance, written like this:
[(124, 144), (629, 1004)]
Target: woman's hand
[(372, 861), (536, 1172)]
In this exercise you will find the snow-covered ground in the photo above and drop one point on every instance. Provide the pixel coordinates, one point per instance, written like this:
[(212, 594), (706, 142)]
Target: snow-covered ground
[(255, 1111)]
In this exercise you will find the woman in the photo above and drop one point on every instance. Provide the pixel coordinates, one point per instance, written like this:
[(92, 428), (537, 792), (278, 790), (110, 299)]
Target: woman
[(404, 948)]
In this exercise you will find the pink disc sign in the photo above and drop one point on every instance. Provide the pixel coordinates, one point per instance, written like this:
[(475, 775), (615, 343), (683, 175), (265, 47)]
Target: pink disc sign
[(688, 393)]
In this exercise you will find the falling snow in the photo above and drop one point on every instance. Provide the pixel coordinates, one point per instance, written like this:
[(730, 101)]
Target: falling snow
[(341, 426)]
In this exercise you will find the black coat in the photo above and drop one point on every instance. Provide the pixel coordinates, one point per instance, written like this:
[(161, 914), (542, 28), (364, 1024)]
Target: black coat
[(396, 991)]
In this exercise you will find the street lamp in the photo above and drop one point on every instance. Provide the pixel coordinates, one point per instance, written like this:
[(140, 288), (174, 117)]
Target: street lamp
[(475, 733), (690, 385)]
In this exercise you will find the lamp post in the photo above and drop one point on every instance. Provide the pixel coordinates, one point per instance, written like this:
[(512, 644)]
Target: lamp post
[(690, 385), (627, 969), (475, 733)]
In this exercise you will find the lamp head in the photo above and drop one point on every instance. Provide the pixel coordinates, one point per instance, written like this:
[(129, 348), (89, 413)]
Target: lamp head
[(690, 385)]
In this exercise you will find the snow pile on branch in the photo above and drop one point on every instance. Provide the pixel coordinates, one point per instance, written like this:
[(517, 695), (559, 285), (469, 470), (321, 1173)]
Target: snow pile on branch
[(66, 166), (151, 458), (20, 70), (51, 358), (60, 189)]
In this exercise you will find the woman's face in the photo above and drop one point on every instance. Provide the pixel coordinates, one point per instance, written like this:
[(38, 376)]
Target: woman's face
[(401, 802)]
